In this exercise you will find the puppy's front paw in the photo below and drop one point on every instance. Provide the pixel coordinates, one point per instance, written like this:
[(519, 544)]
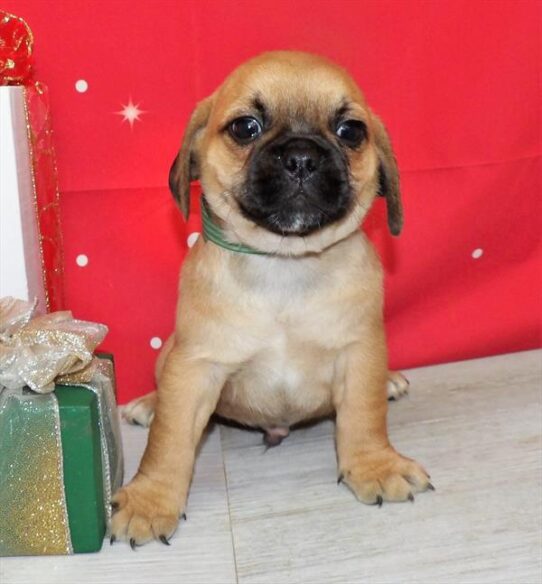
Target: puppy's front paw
[(384, 475), (142, 511)]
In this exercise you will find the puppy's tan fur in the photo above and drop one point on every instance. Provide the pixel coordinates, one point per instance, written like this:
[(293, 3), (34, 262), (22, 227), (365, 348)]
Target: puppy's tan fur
[(271, 340)]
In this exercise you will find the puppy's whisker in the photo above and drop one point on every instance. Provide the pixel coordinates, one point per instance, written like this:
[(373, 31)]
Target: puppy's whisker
[(313, 204)]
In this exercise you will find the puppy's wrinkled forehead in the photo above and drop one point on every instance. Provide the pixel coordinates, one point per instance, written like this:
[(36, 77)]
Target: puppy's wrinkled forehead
[(299, 90)]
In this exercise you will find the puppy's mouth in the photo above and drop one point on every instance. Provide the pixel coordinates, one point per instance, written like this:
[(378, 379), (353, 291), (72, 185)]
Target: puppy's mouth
[(296, 216), (296, 185)]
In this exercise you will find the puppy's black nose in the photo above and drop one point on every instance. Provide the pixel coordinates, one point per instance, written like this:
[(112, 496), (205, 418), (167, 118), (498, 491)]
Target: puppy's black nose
[(301, 157)]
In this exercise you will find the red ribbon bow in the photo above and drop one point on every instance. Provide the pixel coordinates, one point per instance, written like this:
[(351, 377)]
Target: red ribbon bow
[(16, 42)]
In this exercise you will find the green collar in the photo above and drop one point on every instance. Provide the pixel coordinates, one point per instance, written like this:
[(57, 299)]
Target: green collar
[(212, 232)]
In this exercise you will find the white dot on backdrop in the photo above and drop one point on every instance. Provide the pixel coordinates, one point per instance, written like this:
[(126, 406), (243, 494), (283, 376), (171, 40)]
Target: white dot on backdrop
[(156, 342), (477, 253), (192, 238), (81, 260), (81, 85)]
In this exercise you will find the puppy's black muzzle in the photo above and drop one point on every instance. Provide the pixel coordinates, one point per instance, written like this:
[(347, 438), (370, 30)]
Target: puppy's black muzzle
[(296, 185)]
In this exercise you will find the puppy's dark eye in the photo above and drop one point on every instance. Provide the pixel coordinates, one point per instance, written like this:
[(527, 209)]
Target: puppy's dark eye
[(352, 132), (245, 129)]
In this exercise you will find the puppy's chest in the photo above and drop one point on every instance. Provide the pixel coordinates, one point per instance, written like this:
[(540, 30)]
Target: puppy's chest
[(297, 354), (299, 322), (290, 376), (289, 357), (301, 302), (298, 316)]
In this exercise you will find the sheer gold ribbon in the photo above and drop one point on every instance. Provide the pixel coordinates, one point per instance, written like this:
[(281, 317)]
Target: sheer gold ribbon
[(36, 351)]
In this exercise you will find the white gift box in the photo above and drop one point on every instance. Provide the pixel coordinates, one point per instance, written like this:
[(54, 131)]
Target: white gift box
[(21, 262)]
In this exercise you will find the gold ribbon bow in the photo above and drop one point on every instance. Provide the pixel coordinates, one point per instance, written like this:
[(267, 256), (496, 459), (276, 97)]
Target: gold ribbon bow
[(36, 351)]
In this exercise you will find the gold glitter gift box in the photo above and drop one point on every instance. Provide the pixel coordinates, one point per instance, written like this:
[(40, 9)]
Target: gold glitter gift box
[(60, 451)]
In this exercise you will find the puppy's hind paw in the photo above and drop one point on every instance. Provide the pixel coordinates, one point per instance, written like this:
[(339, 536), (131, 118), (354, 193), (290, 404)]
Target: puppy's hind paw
[(397, 385), (140, 411)]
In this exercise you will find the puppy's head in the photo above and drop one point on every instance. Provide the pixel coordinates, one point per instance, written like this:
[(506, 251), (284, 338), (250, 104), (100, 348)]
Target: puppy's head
[(289, 155)]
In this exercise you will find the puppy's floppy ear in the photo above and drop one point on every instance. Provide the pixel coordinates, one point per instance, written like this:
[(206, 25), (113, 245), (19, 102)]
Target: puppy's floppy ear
[(185, 167), (388, 176)]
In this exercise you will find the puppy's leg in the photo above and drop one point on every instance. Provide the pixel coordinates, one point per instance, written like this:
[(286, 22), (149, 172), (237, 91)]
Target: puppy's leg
[(140, 411), (368, 464), (162, 357), (150, 505), (397, 385)]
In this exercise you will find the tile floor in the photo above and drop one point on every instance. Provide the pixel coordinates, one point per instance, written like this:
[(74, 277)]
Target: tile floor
[(279, 517)]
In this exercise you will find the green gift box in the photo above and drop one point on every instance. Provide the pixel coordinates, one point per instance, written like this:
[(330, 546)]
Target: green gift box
[(60, 460)]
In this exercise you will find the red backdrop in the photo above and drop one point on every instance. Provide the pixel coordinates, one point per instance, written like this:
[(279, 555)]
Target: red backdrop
[(457, 83)]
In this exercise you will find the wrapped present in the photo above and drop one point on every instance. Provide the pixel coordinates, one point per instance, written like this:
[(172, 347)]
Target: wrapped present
[(31, 261), (61, 451)]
